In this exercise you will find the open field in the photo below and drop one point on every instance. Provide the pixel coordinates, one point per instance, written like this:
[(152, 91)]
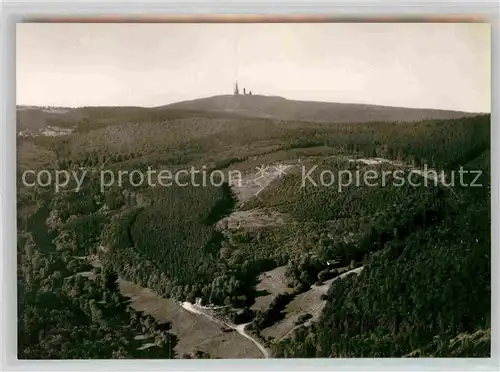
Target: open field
[(195, 332), (271, 283), (309, 302)]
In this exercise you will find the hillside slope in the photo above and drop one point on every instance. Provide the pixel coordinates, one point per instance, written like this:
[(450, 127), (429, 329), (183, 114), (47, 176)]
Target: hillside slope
[(326, 112), (225, 106)]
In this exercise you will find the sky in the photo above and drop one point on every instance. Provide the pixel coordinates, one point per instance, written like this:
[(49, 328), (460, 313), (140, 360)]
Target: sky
[(433, 65)]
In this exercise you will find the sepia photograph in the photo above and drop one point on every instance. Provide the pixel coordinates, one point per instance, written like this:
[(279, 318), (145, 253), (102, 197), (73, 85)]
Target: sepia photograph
[(229, 190)]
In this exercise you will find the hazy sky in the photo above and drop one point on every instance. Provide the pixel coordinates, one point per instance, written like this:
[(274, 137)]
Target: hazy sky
[(414, 65)]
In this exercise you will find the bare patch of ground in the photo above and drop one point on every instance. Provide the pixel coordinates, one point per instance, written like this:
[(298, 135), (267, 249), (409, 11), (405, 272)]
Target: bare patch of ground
[(56, 131), (428, 173), (376, 161), (250, 186), (147, 346), (253, 183), (55, 110), (87, 274), (252, 218), (194, 332)]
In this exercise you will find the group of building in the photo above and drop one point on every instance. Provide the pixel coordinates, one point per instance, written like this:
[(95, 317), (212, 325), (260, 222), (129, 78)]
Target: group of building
[(237, 91)]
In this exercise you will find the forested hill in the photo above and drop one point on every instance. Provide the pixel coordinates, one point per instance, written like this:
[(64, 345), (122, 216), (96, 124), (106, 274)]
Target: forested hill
[(327, 112), (226, 106)]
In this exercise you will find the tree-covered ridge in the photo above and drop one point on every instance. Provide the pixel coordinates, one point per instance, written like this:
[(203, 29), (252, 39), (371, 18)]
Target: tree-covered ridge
[(72, 310), (425, 294), (183, 140)]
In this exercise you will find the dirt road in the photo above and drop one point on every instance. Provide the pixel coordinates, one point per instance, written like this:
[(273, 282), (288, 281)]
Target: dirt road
[(200, 310)]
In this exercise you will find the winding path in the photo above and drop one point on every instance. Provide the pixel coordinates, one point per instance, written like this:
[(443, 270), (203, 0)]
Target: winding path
[(200, 310), (320, 308)]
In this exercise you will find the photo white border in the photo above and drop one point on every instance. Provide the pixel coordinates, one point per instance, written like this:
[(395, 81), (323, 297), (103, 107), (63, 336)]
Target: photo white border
[(12, 12)]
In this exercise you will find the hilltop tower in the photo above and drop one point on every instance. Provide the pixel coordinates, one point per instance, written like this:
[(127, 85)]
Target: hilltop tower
[(236, 90)]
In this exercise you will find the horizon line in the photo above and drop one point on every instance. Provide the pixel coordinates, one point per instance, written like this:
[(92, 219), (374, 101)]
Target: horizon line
[(252, 95)]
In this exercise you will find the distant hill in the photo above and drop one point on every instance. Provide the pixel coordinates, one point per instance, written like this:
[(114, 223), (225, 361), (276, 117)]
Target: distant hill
[(323, 112), (224, 106)]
